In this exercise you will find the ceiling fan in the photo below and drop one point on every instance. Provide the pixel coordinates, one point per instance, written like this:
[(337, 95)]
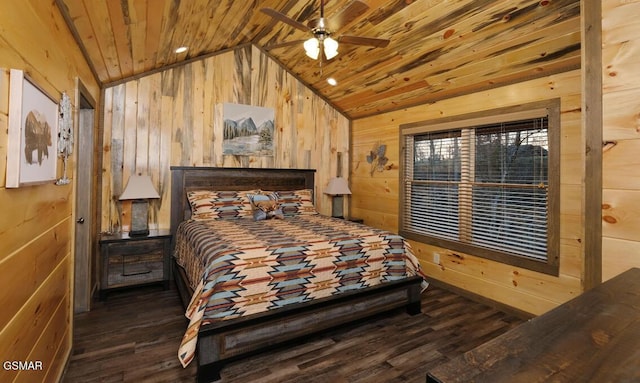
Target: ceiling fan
[(322, 43)]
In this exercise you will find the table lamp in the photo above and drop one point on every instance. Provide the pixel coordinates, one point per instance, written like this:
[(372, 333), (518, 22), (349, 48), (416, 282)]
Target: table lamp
[(139, 189), (337, 188)]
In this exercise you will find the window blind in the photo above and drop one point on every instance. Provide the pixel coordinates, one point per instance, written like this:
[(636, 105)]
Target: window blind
[(485, 186), (510, 187)]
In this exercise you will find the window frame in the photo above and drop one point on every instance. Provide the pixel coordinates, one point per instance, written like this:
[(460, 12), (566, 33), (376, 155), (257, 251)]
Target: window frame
[(548, 108)]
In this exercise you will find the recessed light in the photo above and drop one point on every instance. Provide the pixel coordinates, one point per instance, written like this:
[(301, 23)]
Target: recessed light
[(332, 81), (181, 50)]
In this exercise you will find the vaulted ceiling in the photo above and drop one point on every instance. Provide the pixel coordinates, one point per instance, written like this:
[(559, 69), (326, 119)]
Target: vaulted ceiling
[(437, 49)]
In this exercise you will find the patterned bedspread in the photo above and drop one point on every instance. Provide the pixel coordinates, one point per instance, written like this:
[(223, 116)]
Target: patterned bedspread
[(240, 267)]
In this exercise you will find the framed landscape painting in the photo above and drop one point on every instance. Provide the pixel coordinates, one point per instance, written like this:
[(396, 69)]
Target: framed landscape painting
[(247, 130), (33, 129)]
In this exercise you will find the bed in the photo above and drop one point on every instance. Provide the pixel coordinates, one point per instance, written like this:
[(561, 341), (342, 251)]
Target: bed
[(233, 321)]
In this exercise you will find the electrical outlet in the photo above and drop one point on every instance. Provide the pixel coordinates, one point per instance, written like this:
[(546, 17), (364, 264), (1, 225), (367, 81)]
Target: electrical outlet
[(436, 258)]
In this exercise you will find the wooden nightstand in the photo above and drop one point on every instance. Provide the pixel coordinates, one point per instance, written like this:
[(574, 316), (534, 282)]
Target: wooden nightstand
[(131, 261)]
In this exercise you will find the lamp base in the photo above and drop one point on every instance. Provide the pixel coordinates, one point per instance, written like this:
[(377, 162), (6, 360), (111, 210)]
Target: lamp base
[(337, 206), (139, 218), (139, 233)]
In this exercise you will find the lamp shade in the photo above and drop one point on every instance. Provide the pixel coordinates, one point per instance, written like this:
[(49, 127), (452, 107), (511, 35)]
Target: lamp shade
[(330, 48), (329, 45), (337, 186), (312, 48), (139, 187)]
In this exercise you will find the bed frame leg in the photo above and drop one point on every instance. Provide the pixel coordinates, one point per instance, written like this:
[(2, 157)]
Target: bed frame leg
[(209, 373), (414, 305), (414, 308)]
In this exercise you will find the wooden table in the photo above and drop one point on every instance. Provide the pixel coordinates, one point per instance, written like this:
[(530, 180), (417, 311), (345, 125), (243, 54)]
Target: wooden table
[(592, 338)]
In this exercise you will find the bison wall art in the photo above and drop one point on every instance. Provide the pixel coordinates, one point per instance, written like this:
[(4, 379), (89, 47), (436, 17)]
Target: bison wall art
[(37, 138), (32, 154)]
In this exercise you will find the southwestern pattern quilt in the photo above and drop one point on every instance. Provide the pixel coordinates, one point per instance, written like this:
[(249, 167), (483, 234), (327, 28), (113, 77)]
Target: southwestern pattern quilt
[(240, 267)]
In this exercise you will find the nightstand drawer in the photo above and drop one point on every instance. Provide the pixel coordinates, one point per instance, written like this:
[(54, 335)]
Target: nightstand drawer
[(130, 261), (133, 247), (135, 268)]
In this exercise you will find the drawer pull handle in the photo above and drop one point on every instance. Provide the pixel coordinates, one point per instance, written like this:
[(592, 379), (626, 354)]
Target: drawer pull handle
[(130, 274), (124, 272)]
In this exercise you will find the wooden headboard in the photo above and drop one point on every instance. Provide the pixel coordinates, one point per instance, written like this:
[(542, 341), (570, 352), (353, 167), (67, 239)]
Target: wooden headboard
[(186, 178)]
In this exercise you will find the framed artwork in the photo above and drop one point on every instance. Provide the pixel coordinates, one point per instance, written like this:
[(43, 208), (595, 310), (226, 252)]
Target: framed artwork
[(247, 130), (33, 128)]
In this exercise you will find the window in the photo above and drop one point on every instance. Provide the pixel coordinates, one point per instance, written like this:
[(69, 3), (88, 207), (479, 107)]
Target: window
[(486, 184)]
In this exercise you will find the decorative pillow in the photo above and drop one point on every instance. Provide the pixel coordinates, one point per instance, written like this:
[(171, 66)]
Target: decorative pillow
[(265, 206), (207, 204), (297, 202)]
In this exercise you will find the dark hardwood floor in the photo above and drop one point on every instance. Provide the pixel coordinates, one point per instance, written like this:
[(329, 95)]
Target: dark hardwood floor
[(134, 335)]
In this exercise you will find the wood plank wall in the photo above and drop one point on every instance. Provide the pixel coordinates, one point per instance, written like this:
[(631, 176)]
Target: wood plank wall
[(173, 117), (621, 136), (375, 197), (36, 230)]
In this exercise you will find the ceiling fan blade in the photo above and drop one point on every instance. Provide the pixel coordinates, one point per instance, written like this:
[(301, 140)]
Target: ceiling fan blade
[(283, 45), (354, 10), (370, 41), (285, 19)]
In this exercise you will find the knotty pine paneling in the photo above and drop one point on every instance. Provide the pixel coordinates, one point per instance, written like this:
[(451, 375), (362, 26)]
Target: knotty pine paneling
[(621, 121), (36, 229), (27, 213), (47, 349), (620, 164), (4, 115), (621, 137), (21, 335), (620, 47), (621, 214), (174, 117), (31, 268), (618, 256), (523, 289)]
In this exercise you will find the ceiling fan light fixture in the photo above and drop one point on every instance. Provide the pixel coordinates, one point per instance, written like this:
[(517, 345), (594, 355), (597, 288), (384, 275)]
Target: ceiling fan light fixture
[(321, 45), (330, 48), (312, 48)]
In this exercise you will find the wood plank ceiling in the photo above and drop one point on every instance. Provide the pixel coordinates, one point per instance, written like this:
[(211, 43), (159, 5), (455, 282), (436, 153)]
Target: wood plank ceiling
[(437, 49)]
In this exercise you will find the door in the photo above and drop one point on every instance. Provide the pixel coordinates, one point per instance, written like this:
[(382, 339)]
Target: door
[(85, 276)]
